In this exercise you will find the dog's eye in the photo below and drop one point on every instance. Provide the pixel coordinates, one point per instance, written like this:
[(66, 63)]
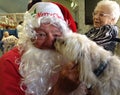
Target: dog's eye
[(63, 42)]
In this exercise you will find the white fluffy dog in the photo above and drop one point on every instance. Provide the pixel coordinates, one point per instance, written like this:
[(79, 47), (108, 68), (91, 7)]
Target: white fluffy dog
[(99, 69)]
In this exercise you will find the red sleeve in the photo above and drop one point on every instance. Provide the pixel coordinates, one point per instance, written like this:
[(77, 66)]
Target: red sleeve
[(9, 75)]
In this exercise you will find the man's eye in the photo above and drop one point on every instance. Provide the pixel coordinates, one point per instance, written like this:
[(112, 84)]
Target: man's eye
[(56, 35), (41, 35)]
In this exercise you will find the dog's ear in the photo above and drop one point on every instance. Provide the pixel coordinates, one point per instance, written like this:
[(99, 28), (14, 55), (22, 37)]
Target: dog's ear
[(68, 80)]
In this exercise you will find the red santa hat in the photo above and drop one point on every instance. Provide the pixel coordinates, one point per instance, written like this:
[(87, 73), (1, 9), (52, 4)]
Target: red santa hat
[(53, 9), (67, 16), (46, 9)]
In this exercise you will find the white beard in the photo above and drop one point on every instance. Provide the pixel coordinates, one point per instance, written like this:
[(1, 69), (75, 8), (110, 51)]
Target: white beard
[(39, 69)]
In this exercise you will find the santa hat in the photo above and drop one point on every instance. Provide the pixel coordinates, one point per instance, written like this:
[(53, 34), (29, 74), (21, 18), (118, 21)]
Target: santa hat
[(56, 9), (42, 9), (67, 16)]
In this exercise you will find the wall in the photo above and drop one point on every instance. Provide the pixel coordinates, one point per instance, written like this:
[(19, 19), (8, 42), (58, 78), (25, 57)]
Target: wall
[(80, 9), (2, 11)]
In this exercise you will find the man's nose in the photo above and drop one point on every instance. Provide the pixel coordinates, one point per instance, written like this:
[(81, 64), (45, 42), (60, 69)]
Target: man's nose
[(51, 37), (50, 40)]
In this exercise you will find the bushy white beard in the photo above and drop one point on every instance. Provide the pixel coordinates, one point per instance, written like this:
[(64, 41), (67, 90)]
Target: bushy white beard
[(39, 69)]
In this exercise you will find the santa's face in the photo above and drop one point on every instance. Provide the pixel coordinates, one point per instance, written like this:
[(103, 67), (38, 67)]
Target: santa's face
[(40, 63), (39, 69), (46, 35)]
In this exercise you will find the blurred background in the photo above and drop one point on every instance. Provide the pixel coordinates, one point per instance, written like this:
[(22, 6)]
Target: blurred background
[(12, 11)]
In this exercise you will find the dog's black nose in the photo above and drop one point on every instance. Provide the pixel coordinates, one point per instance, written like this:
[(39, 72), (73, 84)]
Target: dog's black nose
[(58, 39), (54, 42)]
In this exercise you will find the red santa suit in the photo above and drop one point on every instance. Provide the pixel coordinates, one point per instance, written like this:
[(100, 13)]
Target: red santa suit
[(10, 78)]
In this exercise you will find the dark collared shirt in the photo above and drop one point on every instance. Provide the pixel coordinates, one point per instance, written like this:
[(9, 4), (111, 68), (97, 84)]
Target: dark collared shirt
[(103, 36)]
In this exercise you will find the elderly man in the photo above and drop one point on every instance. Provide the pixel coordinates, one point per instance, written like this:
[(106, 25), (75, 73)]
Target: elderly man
[(34, 67)]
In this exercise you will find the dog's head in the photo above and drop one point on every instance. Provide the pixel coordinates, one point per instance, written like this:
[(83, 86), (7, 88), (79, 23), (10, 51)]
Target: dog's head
[(76, 48), (86, 53), (71, 46)]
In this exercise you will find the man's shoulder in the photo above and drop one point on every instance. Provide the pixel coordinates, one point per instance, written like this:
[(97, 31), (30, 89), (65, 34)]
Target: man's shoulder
[(11, 55)]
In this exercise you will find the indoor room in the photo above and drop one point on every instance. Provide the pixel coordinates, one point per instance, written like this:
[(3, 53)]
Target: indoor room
[(59, 47)]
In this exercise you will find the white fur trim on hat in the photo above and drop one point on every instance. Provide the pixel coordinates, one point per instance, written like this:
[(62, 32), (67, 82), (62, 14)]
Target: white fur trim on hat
[(46, 9)]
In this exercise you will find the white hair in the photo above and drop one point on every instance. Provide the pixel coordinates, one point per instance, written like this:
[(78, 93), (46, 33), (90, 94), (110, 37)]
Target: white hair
[(113, 6), (39, 67), (31, 22)]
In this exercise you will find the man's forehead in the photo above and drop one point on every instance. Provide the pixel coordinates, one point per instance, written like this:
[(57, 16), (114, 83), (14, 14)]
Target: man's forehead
[(48, 27)]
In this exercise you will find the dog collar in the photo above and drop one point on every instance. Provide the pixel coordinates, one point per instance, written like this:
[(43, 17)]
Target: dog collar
[(100, 69)]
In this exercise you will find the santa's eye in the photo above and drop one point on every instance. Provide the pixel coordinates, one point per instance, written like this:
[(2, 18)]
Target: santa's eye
[(41, 35)]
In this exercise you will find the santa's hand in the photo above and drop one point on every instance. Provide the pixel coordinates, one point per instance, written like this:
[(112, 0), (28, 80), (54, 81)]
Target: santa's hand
[(68, 80)]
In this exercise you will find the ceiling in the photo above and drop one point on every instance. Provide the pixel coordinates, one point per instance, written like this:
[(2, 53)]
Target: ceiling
[(13, 6), (18, 6)]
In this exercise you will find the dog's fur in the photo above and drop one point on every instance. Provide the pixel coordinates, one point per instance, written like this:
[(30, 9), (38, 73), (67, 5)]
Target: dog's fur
[(89, 55)]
